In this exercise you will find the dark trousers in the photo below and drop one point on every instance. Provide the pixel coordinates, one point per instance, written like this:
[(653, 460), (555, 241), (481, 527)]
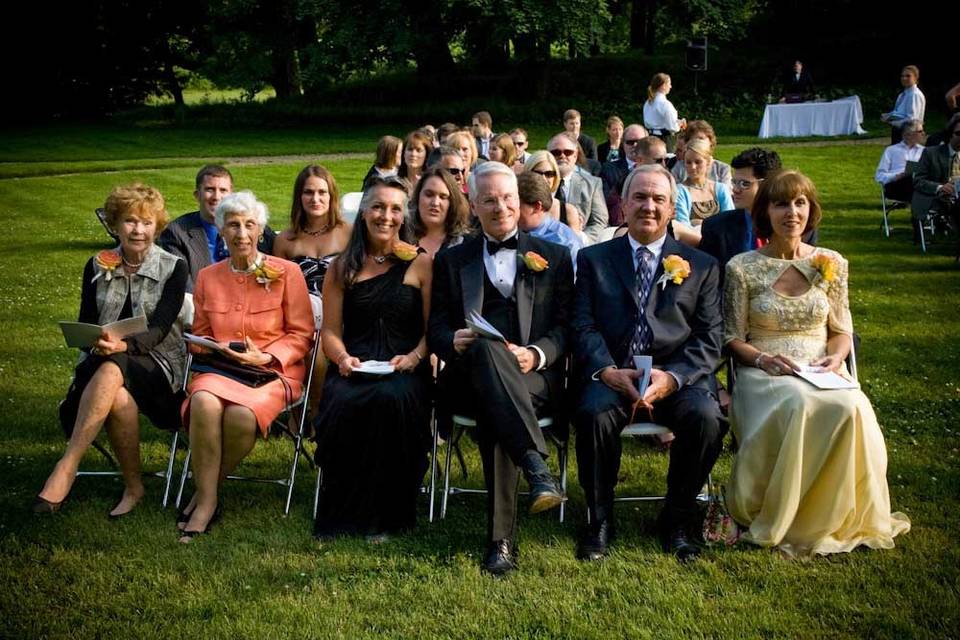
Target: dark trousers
[(486, 383), (692, 413), (669, 140), (900, 189)]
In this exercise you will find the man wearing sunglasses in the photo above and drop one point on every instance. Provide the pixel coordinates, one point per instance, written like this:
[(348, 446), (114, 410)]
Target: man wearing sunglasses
[(639, 148), (521, 142), (577, 187), (936, 180)]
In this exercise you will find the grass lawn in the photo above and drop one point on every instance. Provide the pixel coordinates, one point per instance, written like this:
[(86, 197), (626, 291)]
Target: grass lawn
[(261, 575)]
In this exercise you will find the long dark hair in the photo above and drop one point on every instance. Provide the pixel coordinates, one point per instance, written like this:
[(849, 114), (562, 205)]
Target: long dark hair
[(455, 223), (350, 262), (418, 138), (298, 217)]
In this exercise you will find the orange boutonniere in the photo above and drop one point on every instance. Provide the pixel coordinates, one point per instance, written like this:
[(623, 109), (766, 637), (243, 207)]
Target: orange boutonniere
[(826, 266), (535, 262), (107, 260), (267, 273), (675, 269), (404, 250)]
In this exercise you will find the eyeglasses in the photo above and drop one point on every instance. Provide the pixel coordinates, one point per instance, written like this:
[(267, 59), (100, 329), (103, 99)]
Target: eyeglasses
[(630, 143), (559, 153), (454, 171), (519, 143), (550, 173), (661, 160), (745, 184)]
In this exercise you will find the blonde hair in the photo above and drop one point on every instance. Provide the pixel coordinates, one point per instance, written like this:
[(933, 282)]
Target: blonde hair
[(139, 199), (464, 139), (544, 156), (700, 147), (658, 80)]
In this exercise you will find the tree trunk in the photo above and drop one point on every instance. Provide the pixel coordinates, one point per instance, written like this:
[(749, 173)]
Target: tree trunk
[(638, 23), (650, 28), (430, 49)]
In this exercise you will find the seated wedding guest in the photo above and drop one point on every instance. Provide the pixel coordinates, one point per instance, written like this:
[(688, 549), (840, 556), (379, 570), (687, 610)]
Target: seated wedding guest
[(481, 125), (119, 378), (892, 171), (389, 155), (535, 219), (463, 142), (571, 124), (452, 160), (194, 236), (523, 286), (698, 197), (719, 170), (316, 235), (373, 431), (640, 149), (612, 149), (414, 160), (577, 187), (521, 142), (647, 294), (659, 114), (438, 211), (543, 164), (911, 104), (443, 132), (258, 309), (809, 476), (937, 177), (503, 150)]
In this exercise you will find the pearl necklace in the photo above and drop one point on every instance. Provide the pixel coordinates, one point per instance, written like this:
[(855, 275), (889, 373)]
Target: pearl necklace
[(130, 264)]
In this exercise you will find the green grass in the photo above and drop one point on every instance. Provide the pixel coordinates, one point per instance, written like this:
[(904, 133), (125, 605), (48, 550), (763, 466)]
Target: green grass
[(261, 575)]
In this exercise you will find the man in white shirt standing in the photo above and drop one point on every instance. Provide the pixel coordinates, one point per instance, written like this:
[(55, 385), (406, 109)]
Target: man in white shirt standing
[(911, 104), (891, 172)]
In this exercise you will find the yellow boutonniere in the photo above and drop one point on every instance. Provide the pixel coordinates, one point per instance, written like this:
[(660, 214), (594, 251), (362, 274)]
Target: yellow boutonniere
[(675, 269), (107, 260), (826, 266), (404, 251), (267, 273), (535, 262)]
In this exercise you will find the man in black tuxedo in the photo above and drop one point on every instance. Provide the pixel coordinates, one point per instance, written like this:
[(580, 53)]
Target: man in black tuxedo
[(194, 236), (625, 306), (797, 85), (504, 385)]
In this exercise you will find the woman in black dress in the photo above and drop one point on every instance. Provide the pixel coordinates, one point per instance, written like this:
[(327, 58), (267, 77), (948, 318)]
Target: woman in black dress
[(373, 430), (119, 378)]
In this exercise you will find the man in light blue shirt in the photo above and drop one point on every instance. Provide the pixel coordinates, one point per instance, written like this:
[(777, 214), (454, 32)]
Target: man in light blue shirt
[(911, 104), (535, 219)]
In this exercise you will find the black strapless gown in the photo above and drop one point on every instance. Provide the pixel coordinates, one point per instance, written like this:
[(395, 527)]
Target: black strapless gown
[(373, 433)]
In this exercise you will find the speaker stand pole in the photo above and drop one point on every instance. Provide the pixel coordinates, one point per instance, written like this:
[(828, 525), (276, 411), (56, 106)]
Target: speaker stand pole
[(695, 74)]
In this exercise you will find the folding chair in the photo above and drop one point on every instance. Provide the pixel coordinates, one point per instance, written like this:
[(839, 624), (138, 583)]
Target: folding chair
[(460, 424), (301, 403), (888, 205), (102, 219)]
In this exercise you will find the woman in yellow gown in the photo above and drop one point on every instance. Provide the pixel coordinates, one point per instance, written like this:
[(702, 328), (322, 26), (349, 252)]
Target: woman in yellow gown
[(809, 476)]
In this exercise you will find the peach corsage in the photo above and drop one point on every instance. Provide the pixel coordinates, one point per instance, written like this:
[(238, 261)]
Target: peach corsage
[(535, 262), (107, 260), (404, 250), (675, 269), (826, 266), (267, 273)]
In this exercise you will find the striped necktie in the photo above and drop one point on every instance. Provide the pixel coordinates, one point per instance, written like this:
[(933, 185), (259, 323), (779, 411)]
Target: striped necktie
[(642, 336)]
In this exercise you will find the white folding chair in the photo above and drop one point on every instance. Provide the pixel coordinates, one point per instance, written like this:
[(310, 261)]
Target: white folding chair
[(888, 205), (301, 404)]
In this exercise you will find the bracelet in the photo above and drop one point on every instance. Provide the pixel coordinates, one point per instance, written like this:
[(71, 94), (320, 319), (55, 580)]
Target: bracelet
[(756, 363)]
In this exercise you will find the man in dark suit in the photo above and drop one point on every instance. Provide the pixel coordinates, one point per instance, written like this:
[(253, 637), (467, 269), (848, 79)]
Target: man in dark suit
[(194, 236), (640, 149), (627, 305), (504, 385), (481, 124), (936, 178), (797, 85)]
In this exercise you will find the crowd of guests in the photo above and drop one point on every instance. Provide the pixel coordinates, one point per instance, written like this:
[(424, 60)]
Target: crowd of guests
[(581, 256)]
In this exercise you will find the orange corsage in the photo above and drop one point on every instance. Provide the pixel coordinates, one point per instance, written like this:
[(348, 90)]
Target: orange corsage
[(826, 266), (675, 270), (535, 262), (268, 273), (107, 260), (404, 250)]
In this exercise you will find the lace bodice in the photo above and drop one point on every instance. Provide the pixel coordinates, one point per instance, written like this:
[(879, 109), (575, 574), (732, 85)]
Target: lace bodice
[(794, 326)]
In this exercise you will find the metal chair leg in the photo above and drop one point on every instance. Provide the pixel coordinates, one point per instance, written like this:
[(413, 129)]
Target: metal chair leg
[(433, 470), (446, 474), (183, 477), (293, 473), (316, 492), (168, 478)]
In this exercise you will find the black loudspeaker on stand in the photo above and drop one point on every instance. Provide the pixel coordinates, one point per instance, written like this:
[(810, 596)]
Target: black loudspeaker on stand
[(696, 57)]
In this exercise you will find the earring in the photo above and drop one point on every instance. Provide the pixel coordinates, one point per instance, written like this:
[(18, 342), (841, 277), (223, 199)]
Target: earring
[(260, 239)]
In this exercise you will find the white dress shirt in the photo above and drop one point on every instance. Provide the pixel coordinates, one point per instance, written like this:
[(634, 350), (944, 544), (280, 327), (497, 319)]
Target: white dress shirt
[(894, 161), (660, 115)]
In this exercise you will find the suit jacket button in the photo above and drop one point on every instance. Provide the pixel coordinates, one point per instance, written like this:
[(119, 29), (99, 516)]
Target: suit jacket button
[(238, 307)]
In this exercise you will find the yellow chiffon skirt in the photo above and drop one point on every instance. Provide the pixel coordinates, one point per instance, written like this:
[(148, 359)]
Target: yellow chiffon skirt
[(810, 473)]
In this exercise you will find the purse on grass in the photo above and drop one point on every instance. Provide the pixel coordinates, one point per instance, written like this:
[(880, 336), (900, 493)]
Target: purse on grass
[(719, 527), (244, 374)]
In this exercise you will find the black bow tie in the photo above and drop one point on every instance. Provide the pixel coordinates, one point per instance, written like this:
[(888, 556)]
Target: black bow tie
[(493, 246)]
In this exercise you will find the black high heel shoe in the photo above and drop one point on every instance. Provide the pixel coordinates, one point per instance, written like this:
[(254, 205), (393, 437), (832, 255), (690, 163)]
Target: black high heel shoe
[(190, 535), (42, 505)]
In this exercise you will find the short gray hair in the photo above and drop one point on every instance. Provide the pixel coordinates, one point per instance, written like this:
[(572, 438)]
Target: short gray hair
[(241, 202), (909, 126), (489, 168), (649, 168)]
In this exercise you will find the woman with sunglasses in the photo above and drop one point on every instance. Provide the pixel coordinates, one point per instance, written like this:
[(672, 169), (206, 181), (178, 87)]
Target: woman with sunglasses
[(543, 164)]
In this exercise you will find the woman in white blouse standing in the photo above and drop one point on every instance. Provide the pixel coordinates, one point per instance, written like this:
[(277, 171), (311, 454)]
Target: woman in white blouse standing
[(659, 114)]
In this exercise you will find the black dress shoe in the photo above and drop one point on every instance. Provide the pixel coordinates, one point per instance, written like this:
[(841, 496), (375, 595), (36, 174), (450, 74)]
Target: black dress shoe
[(677, 542), (42, 505), (500, 558), (595, 541)]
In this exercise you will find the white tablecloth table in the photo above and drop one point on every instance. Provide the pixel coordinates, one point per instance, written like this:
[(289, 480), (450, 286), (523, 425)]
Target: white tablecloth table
[(837, 118)]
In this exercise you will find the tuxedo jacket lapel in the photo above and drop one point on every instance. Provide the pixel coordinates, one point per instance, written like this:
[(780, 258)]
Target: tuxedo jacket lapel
[(623, 266), (524, 285), (471, 279)]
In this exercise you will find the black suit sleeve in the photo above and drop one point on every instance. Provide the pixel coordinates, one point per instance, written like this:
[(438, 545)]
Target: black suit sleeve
[(698, 356), (926, 179), (445, 311), (590, 348), (554, 342), (88, 297)]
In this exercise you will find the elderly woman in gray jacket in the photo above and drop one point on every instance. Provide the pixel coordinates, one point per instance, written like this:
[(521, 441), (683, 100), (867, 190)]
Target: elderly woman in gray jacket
[(119, 378)]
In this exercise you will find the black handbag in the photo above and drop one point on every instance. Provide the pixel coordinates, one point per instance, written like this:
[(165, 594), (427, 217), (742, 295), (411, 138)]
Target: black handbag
[(249, 375)]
